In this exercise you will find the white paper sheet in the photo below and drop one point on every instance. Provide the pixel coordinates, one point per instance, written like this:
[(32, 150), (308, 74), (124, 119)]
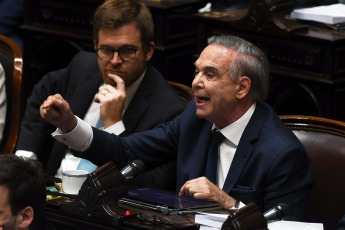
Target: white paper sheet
[(330, 14)]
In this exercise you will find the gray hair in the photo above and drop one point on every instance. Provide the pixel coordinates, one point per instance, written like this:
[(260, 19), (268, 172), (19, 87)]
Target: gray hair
[(250, 62)]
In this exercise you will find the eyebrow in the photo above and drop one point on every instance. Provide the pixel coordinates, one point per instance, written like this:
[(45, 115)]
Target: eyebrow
[(210, 68)]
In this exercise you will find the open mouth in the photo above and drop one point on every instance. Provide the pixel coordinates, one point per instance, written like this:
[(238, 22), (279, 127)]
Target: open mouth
[(202, 99)]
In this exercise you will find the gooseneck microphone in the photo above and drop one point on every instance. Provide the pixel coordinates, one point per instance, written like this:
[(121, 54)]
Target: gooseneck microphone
[(133, 169), (278, 212), (103, 183)]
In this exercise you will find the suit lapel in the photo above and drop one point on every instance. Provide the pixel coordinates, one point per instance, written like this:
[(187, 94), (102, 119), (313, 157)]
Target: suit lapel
[(245, 147), (139, 103)]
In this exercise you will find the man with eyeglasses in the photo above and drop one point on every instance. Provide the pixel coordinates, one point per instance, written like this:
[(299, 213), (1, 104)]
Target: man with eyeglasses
[(133, 96)]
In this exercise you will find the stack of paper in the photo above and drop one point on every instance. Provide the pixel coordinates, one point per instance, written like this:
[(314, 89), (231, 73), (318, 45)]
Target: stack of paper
[(210, 219), (331, 14)]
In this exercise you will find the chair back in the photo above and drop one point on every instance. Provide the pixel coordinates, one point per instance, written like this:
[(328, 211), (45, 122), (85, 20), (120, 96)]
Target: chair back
[(11, 59), (324, 141), (185, 92)]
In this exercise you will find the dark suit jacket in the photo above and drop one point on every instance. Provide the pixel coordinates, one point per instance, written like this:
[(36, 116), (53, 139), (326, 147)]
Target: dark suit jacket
[(270, 165), (153, 103)]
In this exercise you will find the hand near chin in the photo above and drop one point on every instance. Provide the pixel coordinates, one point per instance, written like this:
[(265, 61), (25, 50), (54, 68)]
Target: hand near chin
[(57, 112), (112, 100), (202, 188)]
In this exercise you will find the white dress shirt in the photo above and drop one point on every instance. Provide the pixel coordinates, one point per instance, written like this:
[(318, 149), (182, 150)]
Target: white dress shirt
[(227, 148)]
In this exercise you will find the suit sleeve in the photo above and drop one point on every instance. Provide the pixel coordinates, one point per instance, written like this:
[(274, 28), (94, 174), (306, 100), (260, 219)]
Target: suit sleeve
[(154, 147)]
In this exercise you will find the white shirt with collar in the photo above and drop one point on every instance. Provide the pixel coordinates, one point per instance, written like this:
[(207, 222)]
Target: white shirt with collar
[(227, 148), (70, 162)]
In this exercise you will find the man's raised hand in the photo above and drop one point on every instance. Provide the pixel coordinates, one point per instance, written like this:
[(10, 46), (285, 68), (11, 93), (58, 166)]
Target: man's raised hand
[(57, 112)]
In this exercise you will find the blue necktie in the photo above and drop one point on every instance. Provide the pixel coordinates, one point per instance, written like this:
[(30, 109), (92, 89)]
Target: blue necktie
[(85, 164), (212, 159)]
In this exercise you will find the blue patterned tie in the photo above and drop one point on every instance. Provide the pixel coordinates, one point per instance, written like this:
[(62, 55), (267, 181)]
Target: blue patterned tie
[(85, 164), (212, 160)]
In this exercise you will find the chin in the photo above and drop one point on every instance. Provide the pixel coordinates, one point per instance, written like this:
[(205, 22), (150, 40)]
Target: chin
[(201, 114), (109, 82)]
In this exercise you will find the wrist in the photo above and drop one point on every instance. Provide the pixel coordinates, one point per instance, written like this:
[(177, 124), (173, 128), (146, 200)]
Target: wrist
[(236, 205), (68, 126)]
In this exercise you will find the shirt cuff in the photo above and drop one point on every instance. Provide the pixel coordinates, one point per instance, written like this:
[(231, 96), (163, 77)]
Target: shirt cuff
[(116, 128), (79, 139), (238, 205)]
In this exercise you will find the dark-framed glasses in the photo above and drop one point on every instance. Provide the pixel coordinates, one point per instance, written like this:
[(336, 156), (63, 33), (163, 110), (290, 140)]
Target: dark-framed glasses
[(125, 53)]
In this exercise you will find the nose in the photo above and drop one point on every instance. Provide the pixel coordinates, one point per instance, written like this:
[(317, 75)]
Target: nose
[(116, 58), (197, 81)]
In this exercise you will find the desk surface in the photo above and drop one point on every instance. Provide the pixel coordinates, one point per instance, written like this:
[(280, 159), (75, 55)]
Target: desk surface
[(57, 218)]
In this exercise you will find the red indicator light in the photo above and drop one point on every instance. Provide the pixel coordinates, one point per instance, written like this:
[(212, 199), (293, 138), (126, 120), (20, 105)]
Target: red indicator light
[(128, 213)]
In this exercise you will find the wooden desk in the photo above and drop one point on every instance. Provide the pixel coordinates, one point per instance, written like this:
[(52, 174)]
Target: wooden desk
[(307, 62)]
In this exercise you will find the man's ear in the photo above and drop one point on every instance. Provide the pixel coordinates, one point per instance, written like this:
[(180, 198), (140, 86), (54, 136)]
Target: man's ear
[(25, 217), (149, 51), (244, 84)]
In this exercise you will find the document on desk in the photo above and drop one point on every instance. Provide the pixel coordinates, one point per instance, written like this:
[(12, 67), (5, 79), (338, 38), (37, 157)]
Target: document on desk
[(330, 14), (210, 221), (288, 225)]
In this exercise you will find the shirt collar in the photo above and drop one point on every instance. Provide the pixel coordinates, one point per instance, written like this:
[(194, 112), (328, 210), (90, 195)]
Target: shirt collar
[(233, 132)]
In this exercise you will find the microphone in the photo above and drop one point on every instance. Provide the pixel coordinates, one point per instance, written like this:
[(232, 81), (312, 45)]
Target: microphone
[(277, 212), (133, 169)]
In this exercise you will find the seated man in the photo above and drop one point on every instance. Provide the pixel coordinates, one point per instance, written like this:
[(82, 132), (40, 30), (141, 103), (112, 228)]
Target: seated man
[(258, 160), (22, 193), (134, 96)]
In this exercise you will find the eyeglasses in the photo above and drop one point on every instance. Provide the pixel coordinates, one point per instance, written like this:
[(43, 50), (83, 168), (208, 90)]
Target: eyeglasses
[(125, 53)]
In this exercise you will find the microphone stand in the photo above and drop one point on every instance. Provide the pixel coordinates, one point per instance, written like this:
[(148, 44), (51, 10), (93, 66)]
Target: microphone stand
[(97, 197), (247, 218)]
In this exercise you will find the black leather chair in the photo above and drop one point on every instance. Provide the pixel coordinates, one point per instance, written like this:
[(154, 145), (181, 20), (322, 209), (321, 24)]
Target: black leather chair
[(324, 140), (11, 59)]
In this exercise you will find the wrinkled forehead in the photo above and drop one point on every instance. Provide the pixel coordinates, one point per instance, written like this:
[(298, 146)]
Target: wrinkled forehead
[(216, 56)]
